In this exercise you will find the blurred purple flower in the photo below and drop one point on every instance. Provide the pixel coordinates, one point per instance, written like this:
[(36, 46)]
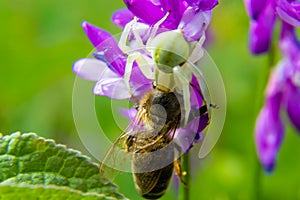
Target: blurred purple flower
[(291, 50), (283, 93), (289, 11), (269, 135), (269, 128), (263, 17), (292, 101)]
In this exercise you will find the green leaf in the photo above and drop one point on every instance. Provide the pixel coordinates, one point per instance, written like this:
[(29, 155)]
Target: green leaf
[(37, 167), (51, 192)]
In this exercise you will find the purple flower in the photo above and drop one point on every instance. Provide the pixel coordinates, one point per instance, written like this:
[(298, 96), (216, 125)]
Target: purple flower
[(269, 134), (283, 94), (289, 11), (192, 16), (192, 133), (122, 17), (292, 101), (291, 50), (261, 31), (107, 67), (203, 5), (269, 129), (263, 17), (283, 91), (255, 7)]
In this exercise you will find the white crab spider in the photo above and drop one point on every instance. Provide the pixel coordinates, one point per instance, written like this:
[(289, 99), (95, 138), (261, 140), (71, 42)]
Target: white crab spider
[(171, 65)]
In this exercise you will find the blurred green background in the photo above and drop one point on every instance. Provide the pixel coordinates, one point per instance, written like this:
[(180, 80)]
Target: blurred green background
[(39, 42)]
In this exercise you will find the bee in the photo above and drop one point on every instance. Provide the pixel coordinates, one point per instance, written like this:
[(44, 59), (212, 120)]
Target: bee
[(168, 61), (149, 144), (153, 147)]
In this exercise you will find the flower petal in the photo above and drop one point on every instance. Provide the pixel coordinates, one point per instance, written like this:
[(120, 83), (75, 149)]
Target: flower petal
[(194, 23), (89, 69), (203, 4), (261, 31), (203, 122), (145, 10), (255, 7), (277, 80), (139, 83), (106, 43), (122, 17), (292, 100), (175, 9), (269, 133), (185, 137), (96, 35), (111, 85), (289, 12), (129, 113), (269, 129), (196, 96)]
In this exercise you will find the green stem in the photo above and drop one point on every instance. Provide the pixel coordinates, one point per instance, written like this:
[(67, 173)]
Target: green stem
[(271, 57), (185, 190), (257, 180), (186, 163)]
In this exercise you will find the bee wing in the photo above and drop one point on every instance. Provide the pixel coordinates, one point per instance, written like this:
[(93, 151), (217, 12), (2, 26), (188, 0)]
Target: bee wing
[(118, 158)]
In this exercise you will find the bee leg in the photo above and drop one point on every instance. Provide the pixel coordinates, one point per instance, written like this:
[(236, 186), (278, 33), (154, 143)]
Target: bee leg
[(179, 172), (124, 36), (183, 82)]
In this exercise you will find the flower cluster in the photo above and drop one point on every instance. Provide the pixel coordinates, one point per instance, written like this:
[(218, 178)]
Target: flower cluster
[(191, 16), (283, 90), (263, 14)]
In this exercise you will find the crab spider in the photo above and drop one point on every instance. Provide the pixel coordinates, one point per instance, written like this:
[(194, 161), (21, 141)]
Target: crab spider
[(171, 61)]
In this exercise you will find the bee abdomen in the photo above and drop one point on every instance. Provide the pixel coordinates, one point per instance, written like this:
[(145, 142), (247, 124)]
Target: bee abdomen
[(150, 189)]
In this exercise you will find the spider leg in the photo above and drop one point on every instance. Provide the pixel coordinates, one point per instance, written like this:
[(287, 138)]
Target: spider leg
[(137, 35), (144, 63), (131, 26), (124, 36), (202, 83), (128, 69), (183, 83), (155, 27), (197, 52)]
